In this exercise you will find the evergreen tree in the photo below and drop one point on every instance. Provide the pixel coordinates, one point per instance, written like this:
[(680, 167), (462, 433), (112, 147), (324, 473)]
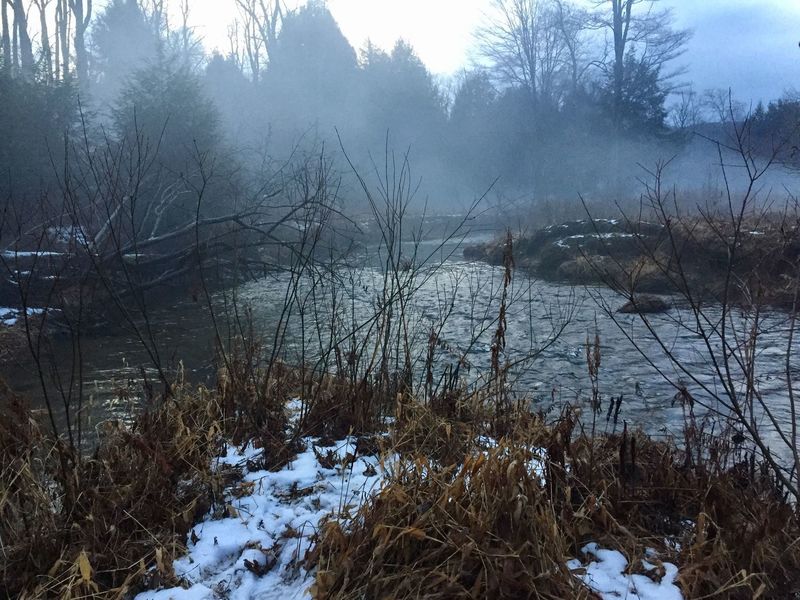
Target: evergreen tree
[(167, 107), (122, 42), (34, 121), (640, 108), (402, 98), (312, 71)]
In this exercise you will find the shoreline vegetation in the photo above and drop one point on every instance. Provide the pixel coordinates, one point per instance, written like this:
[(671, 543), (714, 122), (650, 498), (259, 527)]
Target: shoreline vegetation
[(650, 258), (462, 513)]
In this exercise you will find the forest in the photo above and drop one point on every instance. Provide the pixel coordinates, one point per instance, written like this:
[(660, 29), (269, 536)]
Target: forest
[(554, 91)]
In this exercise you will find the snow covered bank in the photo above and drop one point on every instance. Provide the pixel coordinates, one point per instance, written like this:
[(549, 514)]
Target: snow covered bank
[(256, 548), (9, 316)]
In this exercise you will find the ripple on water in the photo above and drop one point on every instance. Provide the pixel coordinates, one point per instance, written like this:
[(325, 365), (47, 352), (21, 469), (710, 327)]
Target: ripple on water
[(535, 309)]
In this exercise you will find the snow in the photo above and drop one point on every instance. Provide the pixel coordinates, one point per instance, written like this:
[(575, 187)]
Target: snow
[(605, 574), (272, 524), (26, 253), (604, 236), (65, 235), (9, 316), (579, 236)]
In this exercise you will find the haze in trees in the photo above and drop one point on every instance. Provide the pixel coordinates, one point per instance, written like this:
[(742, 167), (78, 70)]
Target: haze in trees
[(122, 41), (559, 97)]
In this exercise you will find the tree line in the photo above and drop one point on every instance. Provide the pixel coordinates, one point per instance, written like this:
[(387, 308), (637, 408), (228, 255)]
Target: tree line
[(560, 97)]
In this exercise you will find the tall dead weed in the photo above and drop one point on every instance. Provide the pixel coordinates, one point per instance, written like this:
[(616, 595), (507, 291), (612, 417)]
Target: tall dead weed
[(476, 522), (91, 526), (484, 528)]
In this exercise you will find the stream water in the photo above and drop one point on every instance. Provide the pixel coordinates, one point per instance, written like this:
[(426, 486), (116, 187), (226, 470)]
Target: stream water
[(548, 325)]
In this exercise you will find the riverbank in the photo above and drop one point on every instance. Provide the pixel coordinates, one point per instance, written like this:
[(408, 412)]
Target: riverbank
[(693, 255), (13, 341), (471, 501)]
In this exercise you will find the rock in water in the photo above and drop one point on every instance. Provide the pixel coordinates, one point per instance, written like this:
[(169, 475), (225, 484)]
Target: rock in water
[(645, 303)]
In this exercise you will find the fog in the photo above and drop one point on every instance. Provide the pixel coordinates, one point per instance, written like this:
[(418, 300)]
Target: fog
[(537, 118)]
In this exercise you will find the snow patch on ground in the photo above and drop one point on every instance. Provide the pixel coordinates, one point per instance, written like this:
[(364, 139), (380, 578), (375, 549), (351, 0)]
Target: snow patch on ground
[(271, 525), (605, 574), (27, 254), (580, 236), (9, 316), (271, 517)]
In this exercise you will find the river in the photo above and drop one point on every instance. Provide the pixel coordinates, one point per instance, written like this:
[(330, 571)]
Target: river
[(547, 371)]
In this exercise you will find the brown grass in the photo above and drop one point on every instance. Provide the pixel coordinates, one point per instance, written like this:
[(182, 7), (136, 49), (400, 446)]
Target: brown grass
[(93, 526), (13, 343), (484, 525), (90, 526), (458, 518), (484, 528)]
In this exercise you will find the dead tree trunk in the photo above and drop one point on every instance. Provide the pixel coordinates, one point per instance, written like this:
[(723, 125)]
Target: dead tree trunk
[(47, 52), (62, 39), (82, 13), (26, 62), (6, 41)]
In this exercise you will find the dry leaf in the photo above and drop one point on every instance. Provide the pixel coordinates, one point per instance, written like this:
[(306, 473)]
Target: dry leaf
[(85, 567)]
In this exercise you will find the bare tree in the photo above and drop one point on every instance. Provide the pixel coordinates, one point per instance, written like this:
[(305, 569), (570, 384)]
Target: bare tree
[(23, 57), (62, 39), (735, 270), (82, 13), (260, 21), (573, 22), (98, 250), (722, 106), (640, 30), (47, 53), (6, 41), (533, 44), (235, 51), (687, 111)]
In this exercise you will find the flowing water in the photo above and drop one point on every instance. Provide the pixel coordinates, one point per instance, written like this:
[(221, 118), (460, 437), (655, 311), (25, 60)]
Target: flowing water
[(548, 325)]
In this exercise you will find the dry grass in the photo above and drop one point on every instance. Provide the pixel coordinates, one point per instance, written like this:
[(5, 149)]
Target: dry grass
[(91, 526), (13, 343), (486, 524), (95, 526), (460, 517), (484, 528), (337, 406)]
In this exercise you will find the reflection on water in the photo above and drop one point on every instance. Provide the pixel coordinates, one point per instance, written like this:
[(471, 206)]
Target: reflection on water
[(467, 294)]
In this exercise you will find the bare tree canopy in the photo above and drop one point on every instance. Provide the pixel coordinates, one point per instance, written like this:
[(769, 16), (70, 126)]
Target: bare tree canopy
[(82, 17), (535, 44), (638, 33), (254, 34)]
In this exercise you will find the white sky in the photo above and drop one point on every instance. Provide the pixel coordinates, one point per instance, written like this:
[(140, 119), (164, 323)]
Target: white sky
[(749, 45), (439, 30)]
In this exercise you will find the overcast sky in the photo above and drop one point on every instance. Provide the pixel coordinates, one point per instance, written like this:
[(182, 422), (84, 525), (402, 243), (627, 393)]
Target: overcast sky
[(748, 45)]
